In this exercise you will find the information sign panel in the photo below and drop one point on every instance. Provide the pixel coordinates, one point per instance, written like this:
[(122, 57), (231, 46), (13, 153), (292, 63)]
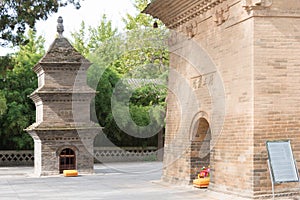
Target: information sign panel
[(282, 163)]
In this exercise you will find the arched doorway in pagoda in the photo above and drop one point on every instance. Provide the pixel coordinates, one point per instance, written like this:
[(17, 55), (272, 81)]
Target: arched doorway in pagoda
[(200, 147), (67, 160)]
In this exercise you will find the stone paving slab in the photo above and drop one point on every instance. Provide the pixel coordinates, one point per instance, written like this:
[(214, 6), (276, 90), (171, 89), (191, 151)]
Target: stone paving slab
[(124, 181)]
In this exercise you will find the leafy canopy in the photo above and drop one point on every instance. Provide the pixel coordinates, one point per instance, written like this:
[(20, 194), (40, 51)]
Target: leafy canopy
[(16, 85), (136, 54)]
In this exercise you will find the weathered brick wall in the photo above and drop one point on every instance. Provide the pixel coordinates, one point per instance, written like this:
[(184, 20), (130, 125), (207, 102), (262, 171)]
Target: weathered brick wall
[(232, 155), (255, 48), (276, 87), (47, 153), (230, 48)]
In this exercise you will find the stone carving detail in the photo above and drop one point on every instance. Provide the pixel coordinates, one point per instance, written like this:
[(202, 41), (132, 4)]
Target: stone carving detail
[(196, 82), (60, 26), (202, 81), (221, 14), (256, 4), (191, 29)]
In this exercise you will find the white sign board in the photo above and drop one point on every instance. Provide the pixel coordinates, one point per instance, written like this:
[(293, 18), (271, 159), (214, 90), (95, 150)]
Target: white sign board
[(282, 163)]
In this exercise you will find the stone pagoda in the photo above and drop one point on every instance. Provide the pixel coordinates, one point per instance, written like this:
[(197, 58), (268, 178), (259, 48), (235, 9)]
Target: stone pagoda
[(63, 132)]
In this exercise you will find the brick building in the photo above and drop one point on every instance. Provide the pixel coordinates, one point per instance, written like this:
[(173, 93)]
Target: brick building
[(63, 132), (234, 84)]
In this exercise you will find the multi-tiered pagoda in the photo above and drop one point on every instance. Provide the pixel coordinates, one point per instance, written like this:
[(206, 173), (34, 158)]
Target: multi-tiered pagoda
[(63, 132)]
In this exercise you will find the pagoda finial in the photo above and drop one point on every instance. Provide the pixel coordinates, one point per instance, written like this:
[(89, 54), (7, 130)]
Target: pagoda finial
[(60, 26)]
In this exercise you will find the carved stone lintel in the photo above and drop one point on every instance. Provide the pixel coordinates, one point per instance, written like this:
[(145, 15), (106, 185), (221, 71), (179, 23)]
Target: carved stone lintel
[(221, 14), (256, 4)]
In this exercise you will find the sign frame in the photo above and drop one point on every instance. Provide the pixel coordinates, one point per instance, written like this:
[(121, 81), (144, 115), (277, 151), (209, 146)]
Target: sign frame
[(273, 163)]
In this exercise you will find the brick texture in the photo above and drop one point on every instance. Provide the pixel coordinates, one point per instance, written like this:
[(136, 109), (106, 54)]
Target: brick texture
[(245, 54)]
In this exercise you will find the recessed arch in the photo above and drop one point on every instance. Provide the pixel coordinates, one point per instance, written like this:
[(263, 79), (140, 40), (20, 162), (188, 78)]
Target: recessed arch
[(200, 146), (195, 123)]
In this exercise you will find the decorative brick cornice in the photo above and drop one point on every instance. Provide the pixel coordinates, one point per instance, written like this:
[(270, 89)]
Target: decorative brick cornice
[(221, 14), (175, 13), (67, 66), (62, 96), (256, 4)]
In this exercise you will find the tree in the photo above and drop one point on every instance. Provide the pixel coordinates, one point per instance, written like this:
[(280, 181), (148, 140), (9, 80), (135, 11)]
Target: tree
[(16, 15), (5, 65), (88, 42), (3, 105), (137, 53), (80, 40), (146, 54), (138, 113), (147, 58), (139, 20), (20, 82)]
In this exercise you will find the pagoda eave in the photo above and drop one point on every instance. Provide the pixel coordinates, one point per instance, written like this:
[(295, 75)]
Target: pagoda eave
[(58, 65), (173, 13), (62, 126)]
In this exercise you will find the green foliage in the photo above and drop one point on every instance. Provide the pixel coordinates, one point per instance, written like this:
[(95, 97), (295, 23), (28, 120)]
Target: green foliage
[(103, 32), (3, 105), (87, 42), (29, 54), (16, 15), (140, 114), (138, 53), (80, 40), (20, 82), (139, 20), (149, 95), (105, 89), (5, 64), (145, 54)]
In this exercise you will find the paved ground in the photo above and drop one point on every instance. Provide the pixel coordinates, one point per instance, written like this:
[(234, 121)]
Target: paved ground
[(117, 181)]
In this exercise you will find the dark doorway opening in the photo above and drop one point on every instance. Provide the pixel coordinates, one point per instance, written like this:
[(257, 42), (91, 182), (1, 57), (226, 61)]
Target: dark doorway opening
[(200, 147), (67, 160)]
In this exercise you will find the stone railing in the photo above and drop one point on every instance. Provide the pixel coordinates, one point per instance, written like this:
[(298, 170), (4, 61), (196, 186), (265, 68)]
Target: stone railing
[(125, 154), (16, 158), (101, 154)]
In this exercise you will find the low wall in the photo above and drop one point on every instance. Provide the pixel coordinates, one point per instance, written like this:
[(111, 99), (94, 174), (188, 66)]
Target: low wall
[(124, 154), (16, 158), (101, 154)]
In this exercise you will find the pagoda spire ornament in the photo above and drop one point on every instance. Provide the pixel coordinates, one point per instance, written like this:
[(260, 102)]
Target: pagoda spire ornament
[(60, 27)]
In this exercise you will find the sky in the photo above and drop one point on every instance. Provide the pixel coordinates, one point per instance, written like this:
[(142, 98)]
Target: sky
[(90, 12)]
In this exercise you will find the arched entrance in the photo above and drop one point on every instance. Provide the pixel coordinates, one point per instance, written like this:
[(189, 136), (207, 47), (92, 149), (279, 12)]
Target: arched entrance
[(200, 147), (67, 160)]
